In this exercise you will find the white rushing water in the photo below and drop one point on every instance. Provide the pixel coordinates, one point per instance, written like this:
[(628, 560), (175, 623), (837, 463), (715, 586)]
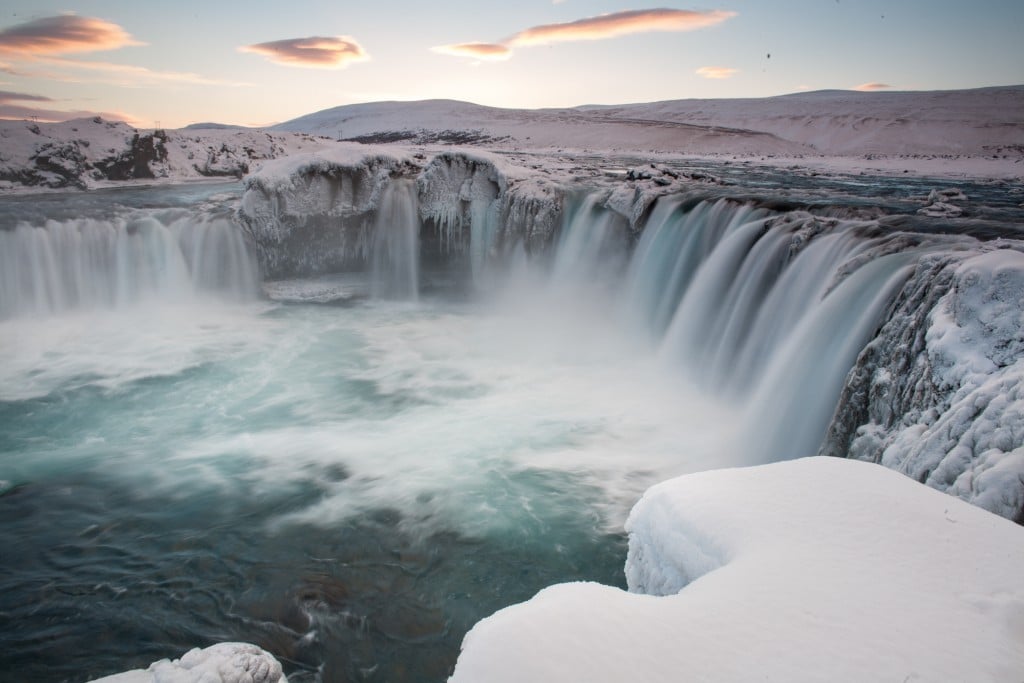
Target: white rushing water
[(727, 345)]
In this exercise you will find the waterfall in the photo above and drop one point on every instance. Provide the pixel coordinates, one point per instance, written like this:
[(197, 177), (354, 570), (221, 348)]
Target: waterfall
[(394, 256), (91, 263), (592, 246), (765, 310)]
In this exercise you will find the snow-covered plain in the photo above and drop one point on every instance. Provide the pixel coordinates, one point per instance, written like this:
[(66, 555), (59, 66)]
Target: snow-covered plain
[(962, 132), (808, 570)]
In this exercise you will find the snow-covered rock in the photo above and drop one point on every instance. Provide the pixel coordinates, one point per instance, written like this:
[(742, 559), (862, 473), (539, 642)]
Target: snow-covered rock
[(806, 570), (315, 213), (940, 204), (938, 394), (312, 213), (488, 203), (220, 663)]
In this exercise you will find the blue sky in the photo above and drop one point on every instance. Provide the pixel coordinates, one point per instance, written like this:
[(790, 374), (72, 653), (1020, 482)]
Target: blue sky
[(256, 63)]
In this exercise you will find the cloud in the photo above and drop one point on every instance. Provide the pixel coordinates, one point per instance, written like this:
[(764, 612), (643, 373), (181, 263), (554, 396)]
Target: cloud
[(620, 24), (8, 96), (872, 86), (125, 75), (12, 107), (63, 34), (44, 41), (316, 52), (488, 51), (600, 27), (716, 72)]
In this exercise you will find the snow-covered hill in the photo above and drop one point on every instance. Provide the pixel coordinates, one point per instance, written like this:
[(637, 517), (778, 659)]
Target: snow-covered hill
[(984, 121), (86, 153), (962, 132)]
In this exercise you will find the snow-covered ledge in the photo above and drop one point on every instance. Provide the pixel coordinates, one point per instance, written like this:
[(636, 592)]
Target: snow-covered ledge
[(807, 570), (220, 663)]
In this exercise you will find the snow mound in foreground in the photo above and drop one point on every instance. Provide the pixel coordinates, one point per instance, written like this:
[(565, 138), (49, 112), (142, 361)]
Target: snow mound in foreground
[(805, 570), (220, 663)]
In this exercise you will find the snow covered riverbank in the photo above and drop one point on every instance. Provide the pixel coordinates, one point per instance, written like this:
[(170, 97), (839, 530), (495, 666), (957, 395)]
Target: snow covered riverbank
[(808, 570)]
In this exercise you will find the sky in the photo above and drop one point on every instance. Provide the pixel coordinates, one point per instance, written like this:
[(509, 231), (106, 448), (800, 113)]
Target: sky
[(256, 63)]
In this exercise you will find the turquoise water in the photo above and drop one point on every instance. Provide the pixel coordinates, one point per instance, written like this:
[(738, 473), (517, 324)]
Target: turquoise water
[(189, 456), (348, 482)]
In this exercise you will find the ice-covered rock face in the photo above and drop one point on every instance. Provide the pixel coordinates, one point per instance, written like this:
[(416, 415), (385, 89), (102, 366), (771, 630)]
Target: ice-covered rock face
[(937, 395), (316, 213), (477, 201), (313, 213)]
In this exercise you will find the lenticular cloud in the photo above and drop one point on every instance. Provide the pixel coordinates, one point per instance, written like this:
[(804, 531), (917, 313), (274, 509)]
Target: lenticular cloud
[(331, 52), (63, 34), (592, 28), (620, 24)]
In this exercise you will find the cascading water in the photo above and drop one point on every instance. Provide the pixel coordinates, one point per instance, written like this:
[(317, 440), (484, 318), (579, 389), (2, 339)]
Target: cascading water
[(352, 486), (395, 254), (107, 263), (593, 244)]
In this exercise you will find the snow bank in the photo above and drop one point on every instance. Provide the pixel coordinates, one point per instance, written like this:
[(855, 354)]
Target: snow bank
[(221, 663), (806, 570)]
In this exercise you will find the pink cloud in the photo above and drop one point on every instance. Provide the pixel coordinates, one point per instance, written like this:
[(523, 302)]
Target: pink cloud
[(63, 34), (716, 72), (620, 24), (122, 74), (8, 96), (317, 52), (593, 28), (870, 87), (488, 51)]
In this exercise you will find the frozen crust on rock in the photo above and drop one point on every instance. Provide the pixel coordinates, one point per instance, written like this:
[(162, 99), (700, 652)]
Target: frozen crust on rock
[(220, 663)]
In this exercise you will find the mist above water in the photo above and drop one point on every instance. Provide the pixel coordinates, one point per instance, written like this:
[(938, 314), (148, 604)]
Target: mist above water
[(516, 422)]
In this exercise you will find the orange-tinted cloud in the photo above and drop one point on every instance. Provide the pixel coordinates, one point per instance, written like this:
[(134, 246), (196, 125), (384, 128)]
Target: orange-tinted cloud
[(318, 52), (8, 96), (592, 28), (488, 51), (716, 72), (620, 24), (25, 106), (869, 87), (63, 34)]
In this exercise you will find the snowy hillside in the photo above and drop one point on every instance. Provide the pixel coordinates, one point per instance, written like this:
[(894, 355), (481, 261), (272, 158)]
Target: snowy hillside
[(974, 133), (986, 121), (86, 153)]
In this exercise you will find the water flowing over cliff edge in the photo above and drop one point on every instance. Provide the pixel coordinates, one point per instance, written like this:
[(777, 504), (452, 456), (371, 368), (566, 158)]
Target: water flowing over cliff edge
[(372, 395), (890, 333)]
